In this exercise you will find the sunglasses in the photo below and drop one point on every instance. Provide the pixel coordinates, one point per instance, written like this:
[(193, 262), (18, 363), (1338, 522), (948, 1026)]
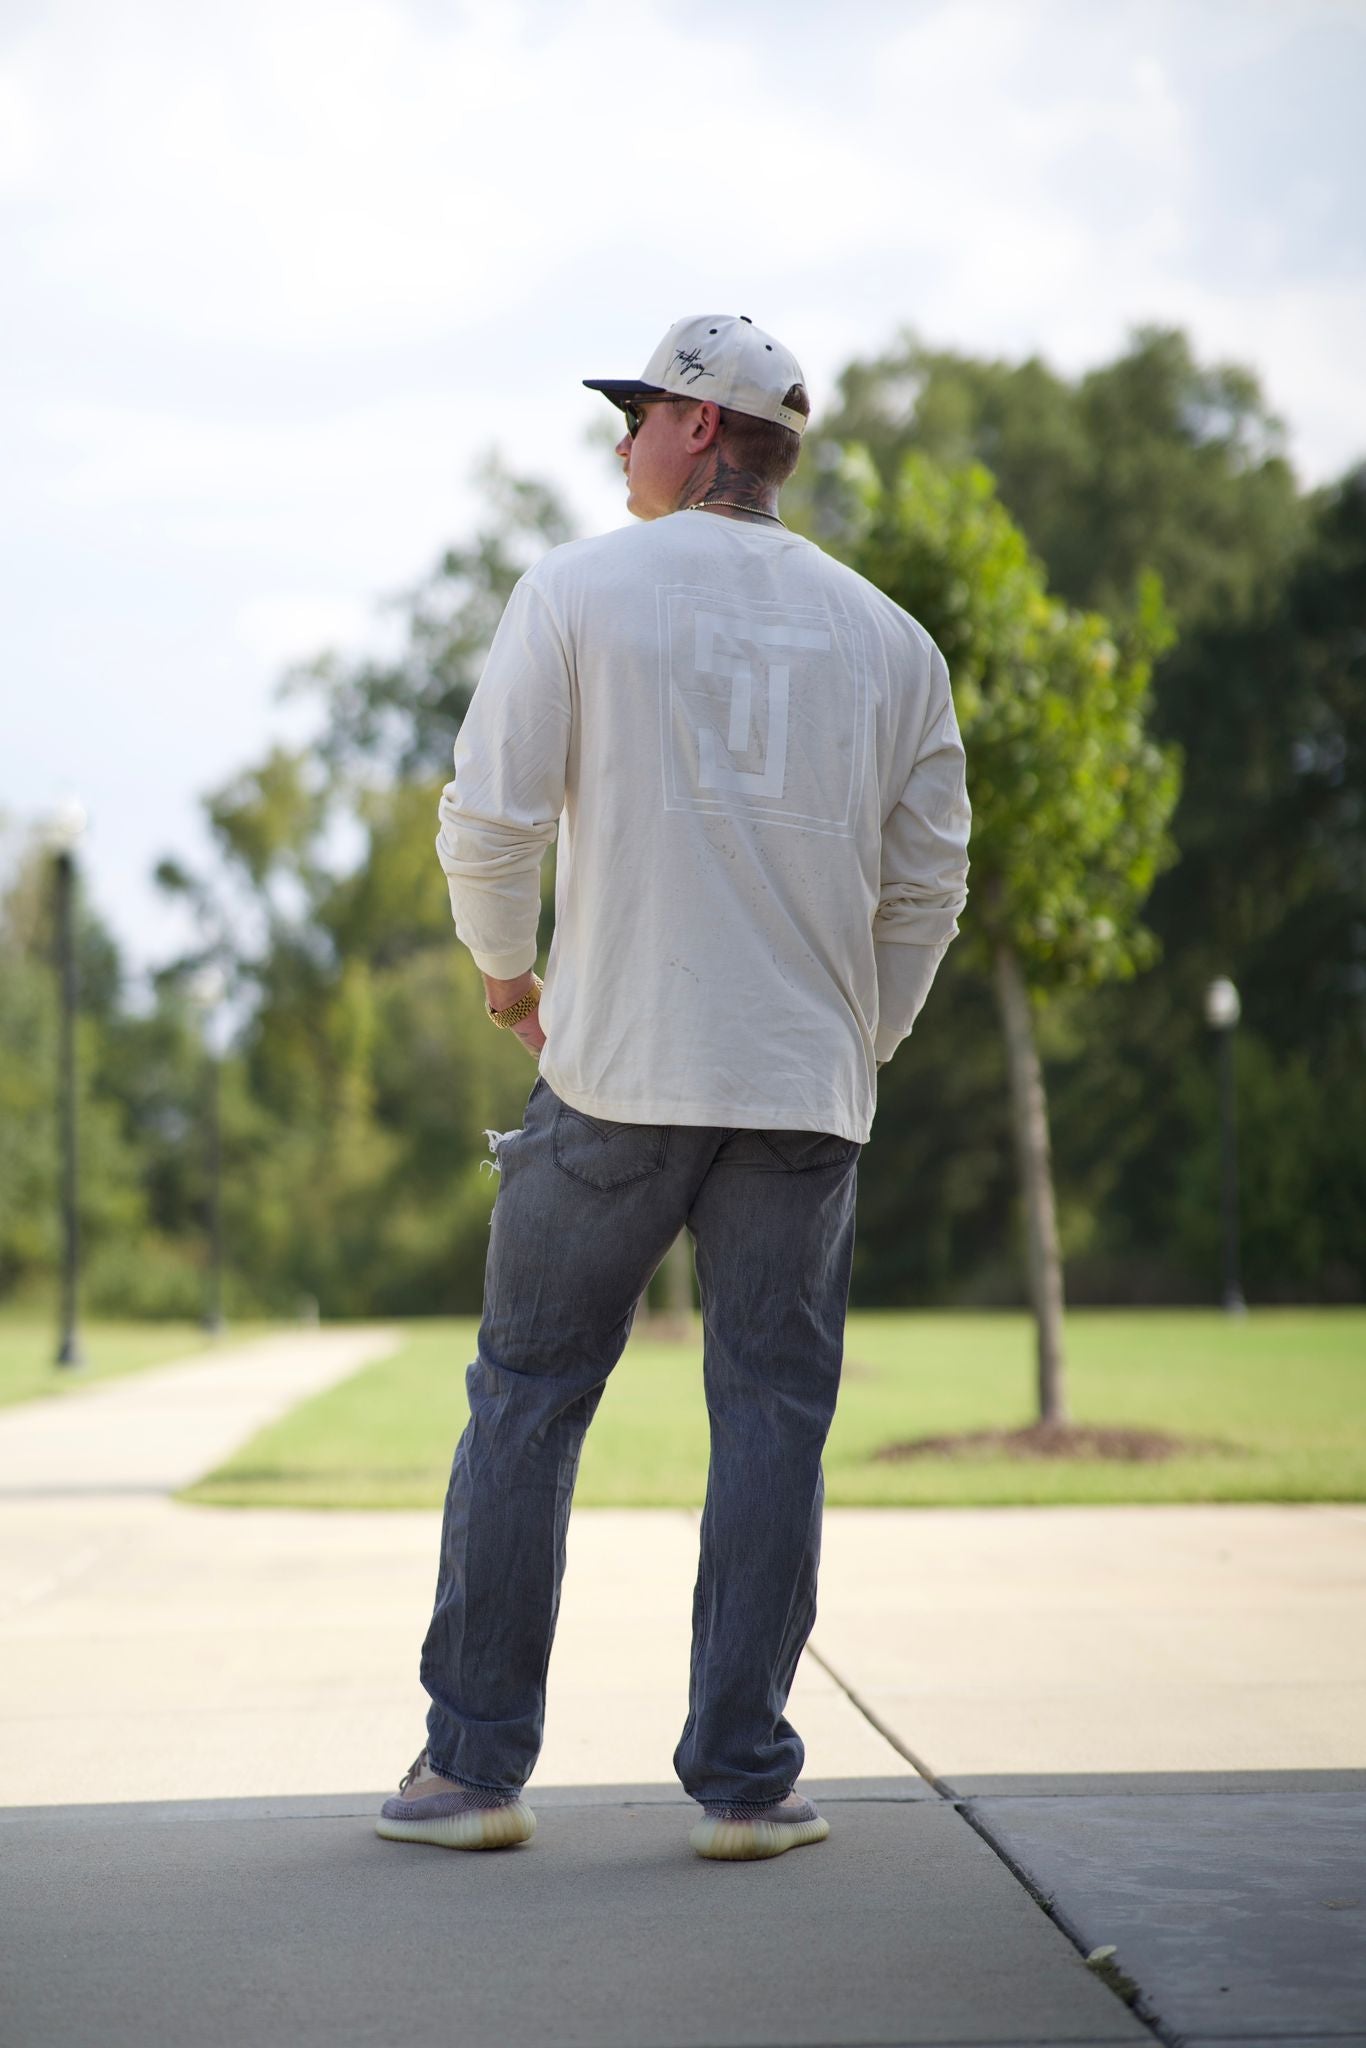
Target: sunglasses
[(634, 411)]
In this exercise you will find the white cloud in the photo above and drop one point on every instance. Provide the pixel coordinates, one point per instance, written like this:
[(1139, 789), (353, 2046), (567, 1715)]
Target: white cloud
[(331, 176), (20, 135), (290, 626), (114, 455)]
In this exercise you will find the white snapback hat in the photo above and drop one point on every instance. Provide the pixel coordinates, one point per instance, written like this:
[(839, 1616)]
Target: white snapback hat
[(720, 356)]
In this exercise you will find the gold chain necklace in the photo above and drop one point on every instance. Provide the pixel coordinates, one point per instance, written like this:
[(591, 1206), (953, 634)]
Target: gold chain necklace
[(705, 505)]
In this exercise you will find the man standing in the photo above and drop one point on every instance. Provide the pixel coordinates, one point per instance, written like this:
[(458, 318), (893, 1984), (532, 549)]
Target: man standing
[(750, 761)]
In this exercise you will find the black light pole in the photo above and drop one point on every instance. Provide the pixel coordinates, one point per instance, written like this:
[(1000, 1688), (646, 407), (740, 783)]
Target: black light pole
[(208, 988), (64, 831), (1223, 1008), (214, 1321)]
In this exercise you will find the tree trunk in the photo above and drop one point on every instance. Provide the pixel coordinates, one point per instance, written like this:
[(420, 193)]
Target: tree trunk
[(1030, 1116)]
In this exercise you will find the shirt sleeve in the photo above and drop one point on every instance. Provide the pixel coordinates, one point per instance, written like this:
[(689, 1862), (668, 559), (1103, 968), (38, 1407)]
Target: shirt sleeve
[(502, 809), (924, 869)]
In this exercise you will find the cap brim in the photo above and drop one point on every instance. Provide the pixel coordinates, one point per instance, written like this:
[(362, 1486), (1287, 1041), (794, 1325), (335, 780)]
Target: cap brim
[(621, 390)]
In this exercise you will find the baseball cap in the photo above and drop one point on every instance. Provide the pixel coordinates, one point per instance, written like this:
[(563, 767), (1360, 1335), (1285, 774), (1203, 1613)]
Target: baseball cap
[(720, 356)]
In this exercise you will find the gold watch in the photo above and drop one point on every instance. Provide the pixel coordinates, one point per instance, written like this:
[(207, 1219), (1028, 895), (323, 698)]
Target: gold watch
[(523, 1007)]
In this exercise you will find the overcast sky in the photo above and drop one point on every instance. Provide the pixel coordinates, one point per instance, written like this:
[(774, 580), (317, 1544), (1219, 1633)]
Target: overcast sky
[(276, 274)]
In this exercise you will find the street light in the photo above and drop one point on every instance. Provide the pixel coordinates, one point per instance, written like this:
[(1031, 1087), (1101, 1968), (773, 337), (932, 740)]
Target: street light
[(62, 833), (1223, 1008), (208, 987)]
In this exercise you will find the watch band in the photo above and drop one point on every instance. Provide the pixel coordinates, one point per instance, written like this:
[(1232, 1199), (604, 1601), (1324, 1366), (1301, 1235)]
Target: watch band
[(523, 1007)]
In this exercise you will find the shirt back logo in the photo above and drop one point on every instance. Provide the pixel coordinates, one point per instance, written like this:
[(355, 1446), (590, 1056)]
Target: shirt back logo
[(763, 710)]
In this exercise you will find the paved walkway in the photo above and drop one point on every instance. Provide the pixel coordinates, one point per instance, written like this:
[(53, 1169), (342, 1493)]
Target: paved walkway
[(1036, 1732), (151, 1432)]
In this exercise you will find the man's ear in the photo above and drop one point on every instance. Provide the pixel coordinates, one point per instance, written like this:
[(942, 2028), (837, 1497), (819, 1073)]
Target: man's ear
[(704, 426)]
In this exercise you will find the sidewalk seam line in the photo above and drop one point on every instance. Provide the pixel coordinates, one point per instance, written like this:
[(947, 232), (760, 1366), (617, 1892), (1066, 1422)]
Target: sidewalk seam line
[(963, 1806), (917, 1764)]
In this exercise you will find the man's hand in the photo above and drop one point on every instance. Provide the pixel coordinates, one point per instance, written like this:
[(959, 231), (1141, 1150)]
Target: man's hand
[(501, 993)]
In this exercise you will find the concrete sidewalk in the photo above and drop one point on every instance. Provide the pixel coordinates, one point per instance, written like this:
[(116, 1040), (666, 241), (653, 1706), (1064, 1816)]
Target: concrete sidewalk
[(151, 1432), (1035, 1732)]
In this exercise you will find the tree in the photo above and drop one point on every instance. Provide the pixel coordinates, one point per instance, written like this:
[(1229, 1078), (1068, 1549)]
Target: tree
[(399, 716), (365, 1076), (112, 1196), (1071, 797), (1154, 460)]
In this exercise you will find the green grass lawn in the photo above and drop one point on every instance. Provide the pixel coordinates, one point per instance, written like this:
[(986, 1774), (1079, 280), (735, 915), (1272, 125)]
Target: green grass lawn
[(1282, 1392), (28, 1345)]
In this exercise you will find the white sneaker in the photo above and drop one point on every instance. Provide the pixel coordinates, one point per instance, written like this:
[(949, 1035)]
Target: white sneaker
[(430, 1808), (734, 1834)]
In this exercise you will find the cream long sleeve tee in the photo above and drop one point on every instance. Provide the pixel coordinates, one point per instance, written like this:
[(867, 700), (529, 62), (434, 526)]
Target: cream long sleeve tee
[(749, 759)]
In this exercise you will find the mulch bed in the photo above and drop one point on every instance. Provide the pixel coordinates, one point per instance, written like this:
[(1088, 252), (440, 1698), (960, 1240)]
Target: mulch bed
[(1052, 1440)]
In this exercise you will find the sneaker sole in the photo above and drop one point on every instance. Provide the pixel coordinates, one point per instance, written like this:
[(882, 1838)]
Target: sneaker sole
[(742, 1841), (499, 1827)]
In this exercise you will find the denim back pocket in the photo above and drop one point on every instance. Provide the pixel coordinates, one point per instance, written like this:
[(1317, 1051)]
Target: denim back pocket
[(801, 1151), (605, 1155)]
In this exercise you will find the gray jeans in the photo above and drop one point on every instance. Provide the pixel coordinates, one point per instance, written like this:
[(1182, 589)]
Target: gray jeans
[(584, 1214)]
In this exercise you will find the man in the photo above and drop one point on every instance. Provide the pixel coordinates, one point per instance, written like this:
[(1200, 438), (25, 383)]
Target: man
[(751, 761)]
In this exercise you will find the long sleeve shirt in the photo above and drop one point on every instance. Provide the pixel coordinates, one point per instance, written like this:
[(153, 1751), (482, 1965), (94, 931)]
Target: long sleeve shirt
[(749, 761)]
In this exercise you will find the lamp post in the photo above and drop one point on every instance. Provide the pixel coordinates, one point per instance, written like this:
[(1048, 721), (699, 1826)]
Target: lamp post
[(62, 834), (207, 989), (1223, 1008)]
